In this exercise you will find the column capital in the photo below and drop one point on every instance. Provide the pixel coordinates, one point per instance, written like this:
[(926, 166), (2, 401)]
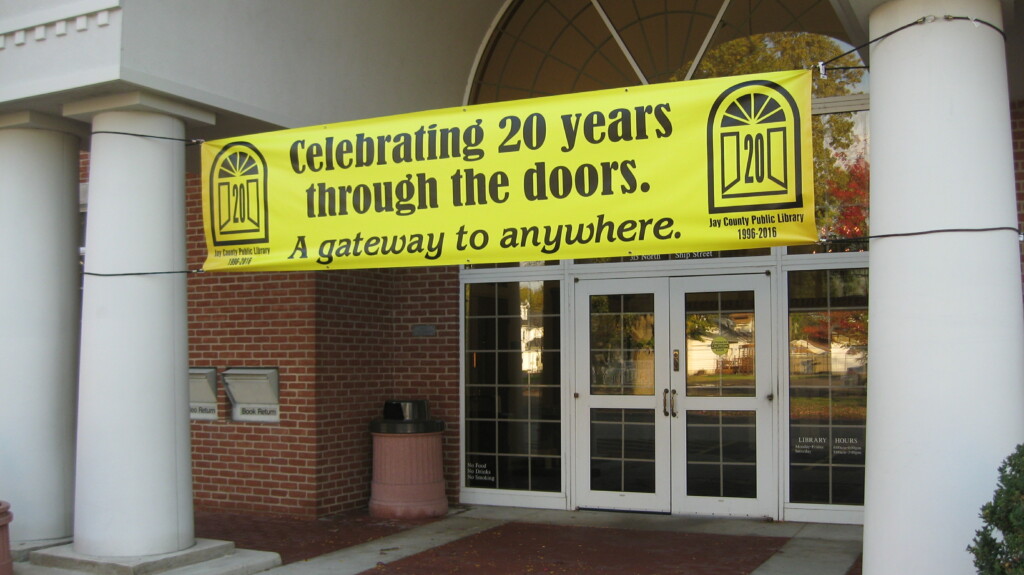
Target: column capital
[(31, 120), (139, 101)]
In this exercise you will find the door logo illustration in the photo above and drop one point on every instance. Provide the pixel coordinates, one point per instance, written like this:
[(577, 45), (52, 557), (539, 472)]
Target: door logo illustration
[(238, 196), (754, 149)]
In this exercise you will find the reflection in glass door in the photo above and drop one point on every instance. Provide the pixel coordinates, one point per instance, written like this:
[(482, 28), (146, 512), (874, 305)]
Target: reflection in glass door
[(673, 399), (724, 464)]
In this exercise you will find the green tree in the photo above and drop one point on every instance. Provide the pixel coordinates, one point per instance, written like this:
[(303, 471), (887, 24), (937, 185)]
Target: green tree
[(998, 547)]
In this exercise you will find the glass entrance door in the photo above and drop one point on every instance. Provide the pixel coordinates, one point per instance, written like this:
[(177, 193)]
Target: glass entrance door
[(673, 395), (722, 456), (622, 411)]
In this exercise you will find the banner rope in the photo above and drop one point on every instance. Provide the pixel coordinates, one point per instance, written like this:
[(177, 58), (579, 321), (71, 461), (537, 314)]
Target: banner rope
[(188, 141), (823, 66), (102, 275), (1020, 236)]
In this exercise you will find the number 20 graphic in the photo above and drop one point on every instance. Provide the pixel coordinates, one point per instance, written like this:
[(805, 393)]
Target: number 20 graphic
[(754, 150)]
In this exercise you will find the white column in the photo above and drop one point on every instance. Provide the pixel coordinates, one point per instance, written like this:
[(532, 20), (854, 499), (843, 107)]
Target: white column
[(134, 482), (39, 288), (946, 399)]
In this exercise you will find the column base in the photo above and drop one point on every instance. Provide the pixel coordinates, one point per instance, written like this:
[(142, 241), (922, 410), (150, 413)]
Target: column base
[(21, 550), (206, 557)]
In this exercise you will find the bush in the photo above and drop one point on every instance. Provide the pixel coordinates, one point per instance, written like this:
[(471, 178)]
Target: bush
[(999, 545)]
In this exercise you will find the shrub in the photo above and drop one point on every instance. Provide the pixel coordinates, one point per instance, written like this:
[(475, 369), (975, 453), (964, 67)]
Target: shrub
[(999, 545)]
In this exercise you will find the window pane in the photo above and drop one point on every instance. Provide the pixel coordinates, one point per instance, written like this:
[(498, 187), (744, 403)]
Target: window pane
[(622, 450), (841, 183), (720, 344), (827, 385), (622, 344), (721, 453), (513, 386)]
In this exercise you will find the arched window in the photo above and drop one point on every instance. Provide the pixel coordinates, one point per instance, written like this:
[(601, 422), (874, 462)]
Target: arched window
[(549, 47)]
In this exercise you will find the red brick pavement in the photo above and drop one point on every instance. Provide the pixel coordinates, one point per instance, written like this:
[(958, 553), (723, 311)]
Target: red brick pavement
[(516, 548), (297, 539), (510, 548)]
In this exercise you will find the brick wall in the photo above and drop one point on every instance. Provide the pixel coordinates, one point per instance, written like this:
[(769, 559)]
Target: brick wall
[(427, 366), (367, 354), (353, 378), (343, 343), (256, 320), (83, 167)]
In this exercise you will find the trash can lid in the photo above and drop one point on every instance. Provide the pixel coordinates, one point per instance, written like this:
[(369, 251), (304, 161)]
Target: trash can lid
[(399, 426), (405, 409)]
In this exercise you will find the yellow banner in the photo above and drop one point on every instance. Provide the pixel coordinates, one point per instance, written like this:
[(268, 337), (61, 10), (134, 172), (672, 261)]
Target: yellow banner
[(690, 166)]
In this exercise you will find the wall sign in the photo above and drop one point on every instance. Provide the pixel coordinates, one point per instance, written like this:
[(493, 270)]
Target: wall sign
[(713, 164), (256, 412), (480, 472)]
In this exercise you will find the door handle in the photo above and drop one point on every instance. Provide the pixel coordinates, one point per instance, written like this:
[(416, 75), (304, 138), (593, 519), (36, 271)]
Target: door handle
[(664, 402), (675, 360), (674, 413)]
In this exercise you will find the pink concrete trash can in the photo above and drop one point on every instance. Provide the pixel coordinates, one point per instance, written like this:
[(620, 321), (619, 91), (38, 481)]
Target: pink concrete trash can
[(408, 476), (6, 561)]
